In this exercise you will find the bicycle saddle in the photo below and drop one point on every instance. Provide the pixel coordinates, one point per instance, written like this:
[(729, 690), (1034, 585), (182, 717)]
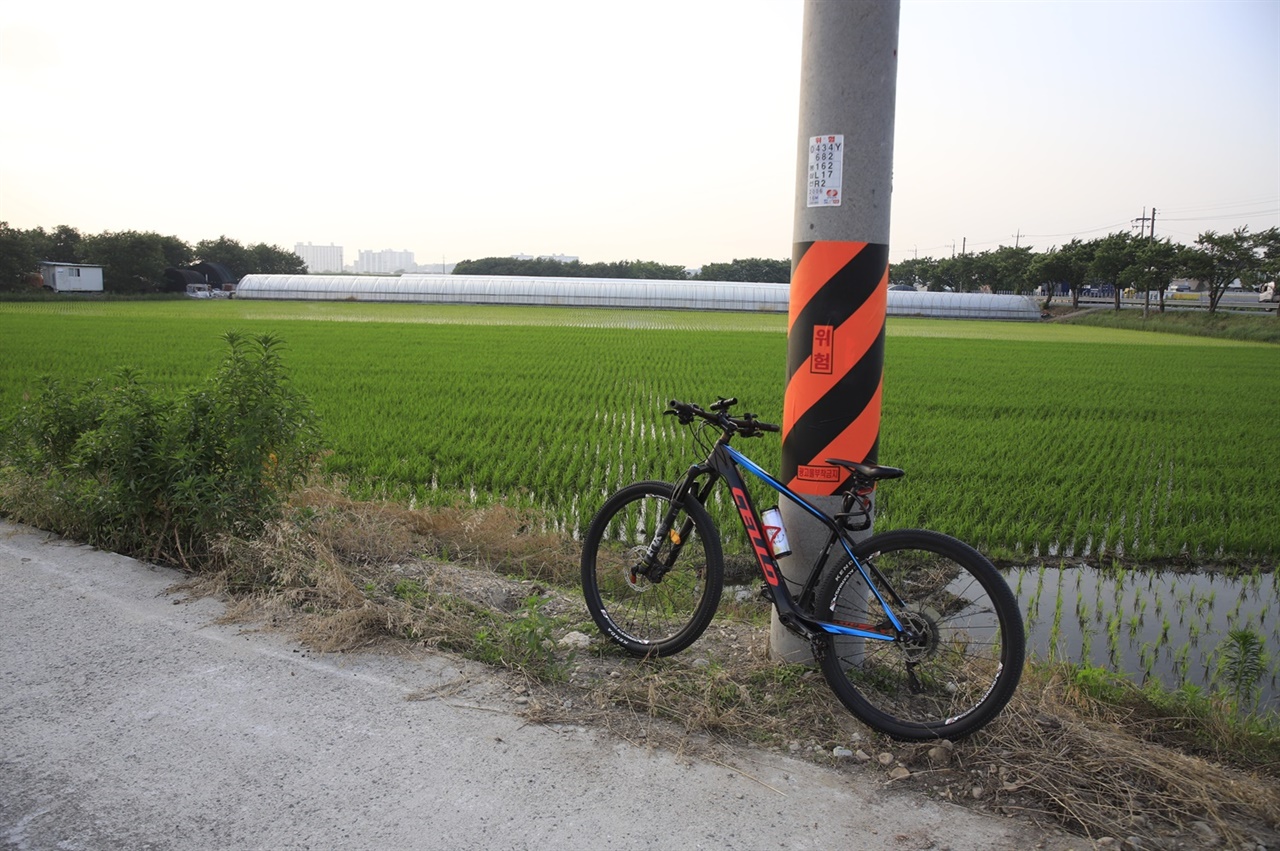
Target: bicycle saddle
[(874, 472)]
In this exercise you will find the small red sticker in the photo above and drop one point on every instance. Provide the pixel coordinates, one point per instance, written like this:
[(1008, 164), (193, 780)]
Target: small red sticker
[(811, 473)]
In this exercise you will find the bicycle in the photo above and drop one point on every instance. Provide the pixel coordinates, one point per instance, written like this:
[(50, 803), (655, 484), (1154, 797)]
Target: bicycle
[(916, 632)]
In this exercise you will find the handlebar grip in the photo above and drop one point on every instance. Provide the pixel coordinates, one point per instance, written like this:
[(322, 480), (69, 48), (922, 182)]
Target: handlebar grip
[(683, 411), (768, 426)]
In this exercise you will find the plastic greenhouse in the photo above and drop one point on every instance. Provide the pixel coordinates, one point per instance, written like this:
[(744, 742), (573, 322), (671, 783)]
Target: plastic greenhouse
[(963, 305), (606, 292), (480, 289)]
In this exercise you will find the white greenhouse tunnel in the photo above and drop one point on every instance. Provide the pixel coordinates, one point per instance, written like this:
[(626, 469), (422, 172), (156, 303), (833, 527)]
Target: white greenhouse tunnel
[(608, 292)]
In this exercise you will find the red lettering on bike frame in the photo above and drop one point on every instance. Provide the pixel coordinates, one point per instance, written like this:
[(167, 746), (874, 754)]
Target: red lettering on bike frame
[(763, 555)]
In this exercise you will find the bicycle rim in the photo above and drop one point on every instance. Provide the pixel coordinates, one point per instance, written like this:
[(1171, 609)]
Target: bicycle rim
[(650, 617), (962, 663)]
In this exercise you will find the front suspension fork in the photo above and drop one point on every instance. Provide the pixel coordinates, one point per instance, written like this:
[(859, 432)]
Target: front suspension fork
[(653, 568)]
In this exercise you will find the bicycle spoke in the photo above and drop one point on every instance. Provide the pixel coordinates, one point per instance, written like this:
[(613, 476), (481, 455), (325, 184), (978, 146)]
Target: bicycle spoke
[(960, 653), (662, 615)]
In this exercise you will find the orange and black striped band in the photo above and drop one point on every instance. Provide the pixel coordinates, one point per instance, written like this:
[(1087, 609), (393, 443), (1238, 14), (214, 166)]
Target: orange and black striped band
[(835, 361)]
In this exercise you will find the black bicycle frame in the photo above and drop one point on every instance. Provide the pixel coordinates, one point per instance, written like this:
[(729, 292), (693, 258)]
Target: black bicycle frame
[(723, 463)]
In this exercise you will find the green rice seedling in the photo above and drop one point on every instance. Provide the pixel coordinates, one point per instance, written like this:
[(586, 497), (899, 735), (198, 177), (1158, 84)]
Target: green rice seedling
[(406, 396), (1146, 660), (1055, 629), (1182, 662), (1086, 637), (1242, 661), (1113, 638)]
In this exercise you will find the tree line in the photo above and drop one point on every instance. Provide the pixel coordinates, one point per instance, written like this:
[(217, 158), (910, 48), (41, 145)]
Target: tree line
[(132, 262), (1120, 260), (751, 269)]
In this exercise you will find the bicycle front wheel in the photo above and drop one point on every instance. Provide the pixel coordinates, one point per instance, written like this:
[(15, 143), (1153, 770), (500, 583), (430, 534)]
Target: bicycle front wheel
[(651, 617), (959, 657)]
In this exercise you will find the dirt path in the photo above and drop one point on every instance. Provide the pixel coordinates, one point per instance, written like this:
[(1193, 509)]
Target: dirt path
[(131, 720)]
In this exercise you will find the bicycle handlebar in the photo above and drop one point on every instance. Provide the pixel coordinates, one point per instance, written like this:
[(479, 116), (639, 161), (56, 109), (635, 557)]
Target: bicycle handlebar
[(747, 425)]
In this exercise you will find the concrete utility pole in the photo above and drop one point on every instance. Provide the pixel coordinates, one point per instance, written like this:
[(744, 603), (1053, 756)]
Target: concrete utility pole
[(839, 267)]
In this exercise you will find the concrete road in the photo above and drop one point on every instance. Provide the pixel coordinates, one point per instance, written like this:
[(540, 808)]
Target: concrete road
[(129, 720)]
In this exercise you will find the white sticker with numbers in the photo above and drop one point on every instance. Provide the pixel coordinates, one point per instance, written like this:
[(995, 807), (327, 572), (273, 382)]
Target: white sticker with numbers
[(826, 170)]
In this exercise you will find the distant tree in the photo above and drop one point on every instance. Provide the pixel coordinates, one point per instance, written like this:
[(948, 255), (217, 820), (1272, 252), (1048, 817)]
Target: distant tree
[(751, 269), (176, 252), (629, 269), (1267, 244), (132, 261), (1112, 255), (1155, 264), (511, 266), (228, 252), (259, 258), (1066, 266), (980, 272), (274, 260), (963, 273), (1009, 268), (65, 245), (18, 258), (548, 268), (946, 276), (918, 272), (1218, 260)]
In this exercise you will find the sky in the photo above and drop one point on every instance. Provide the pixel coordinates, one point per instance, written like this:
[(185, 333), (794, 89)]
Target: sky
[(665, 130)]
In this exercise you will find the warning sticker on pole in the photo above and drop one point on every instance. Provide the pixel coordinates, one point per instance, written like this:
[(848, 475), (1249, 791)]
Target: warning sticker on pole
[(826, 170)]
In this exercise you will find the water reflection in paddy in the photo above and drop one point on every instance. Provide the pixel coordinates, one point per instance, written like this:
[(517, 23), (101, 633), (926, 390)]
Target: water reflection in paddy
[(1170, 626)]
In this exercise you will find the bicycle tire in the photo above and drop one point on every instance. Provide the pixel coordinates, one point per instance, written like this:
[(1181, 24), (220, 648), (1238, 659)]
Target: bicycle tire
[(966, 661), (650, 618)]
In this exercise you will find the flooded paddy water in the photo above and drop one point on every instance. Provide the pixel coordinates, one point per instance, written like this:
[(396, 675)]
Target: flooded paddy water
[(1167, 626)]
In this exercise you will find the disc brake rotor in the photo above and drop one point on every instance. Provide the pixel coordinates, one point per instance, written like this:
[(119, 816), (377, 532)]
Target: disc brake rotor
[(923, 626)]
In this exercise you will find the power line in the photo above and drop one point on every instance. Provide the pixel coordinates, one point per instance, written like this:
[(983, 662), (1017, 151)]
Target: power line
[(1110, 227), (1273, 211), (1226, 205), (1165, 219)]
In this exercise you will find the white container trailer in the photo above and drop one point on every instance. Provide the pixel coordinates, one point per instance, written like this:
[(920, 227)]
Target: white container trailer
[(71, 277)]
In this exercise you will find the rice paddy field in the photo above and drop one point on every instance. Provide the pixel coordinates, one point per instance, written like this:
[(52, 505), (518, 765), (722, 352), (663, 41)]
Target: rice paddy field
[(1043, 444)]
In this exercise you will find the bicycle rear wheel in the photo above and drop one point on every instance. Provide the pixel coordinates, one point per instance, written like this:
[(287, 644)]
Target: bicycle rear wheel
[(963, 655), (651, 618)]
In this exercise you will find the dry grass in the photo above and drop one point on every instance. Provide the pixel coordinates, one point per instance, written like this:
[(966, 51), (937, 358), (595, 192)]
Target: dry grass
[(1042, 759), (1098, 778), (343, 575)]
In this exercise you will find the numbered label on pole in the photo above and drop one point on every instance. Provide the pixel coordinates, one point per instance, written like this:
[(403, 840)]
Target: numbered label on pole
[(826, 170)]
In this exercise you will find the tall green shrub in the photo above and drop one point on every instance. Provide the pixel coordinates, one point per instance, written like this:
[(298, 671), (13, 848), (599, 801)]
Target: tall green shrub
[(124, 468)]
